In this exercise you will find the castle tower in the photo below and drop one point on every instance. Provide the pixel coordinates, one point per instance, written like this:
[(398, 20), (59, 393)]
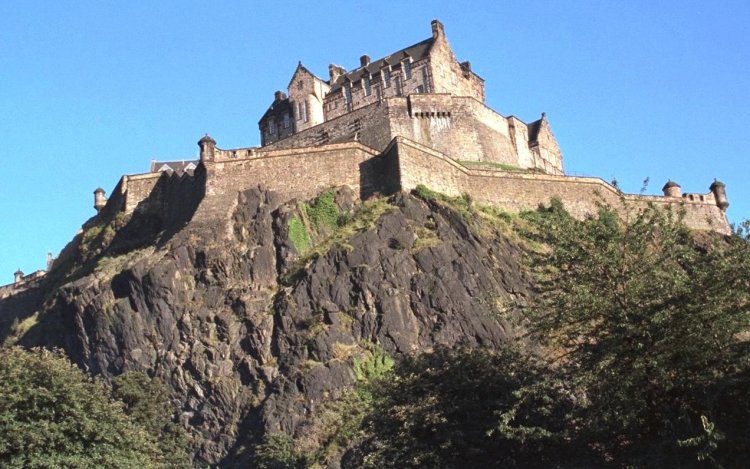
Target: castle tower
[(720, 194), (18, 276), (207, 146), (99, 200), (672, 189)]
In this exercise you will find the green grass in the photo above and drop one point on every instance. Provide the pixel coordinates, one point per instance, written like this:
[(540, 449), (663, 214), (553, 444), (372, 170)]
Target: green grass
[(298, 235), (501, 166)]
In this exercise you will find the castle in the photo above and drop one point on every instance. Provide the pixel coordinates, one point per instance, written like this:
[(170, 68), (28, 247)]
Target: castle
[(415, 117)]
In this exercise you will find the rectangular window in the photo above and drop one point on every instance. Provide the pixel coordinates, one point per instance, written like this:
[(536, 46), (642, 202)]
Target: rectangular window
[(425, 80), (378, 93), (398, 85), (286, 120), (420, 89), (387, 78), (366, 84), (304, 111), (348, 97), (272, 127), (407, 69)]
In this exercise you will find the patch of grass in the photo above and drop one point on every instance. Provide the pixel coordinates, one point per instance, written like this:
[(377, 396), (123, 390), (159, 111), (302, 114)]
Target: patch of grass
[(18, 329), (501, 166), (426, 238), (298, 235), (323, 212)]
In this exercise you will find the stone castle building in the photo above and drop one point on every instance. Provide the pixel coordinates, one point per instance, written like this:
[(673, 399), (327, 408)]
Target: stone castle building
[(421, 93), (415, 117)]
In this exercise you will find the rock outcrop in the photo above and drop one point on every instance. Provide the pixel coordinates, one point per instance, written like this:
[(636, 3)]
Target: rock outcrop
[(253, 335)]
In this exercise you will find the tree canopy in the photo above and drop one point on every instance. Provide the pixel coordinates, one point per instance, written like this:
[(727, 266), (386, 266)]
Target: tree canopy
[(54, 415)]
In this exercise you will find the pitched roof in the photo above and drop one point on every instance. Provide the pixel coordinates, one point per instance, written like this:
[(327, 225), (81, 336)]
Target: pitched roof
[(277, 106), (174, 166), (417, 52)]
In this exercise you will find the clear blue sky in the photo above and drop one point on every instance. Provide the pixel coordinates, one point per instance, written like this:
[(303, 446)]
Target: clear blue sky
[(91, 90)]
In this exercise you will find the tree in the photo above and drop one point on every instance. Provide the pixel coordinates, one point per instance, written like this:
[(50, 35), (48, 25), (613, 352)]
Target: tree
[(145, 401), (53, 415), (650, 321), (468, 407)]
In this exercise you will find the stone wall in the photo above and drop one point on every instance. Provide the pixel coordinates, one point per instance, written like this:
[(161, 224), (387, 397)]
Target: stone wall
[(296, 173), (515, 191), (460, 127)]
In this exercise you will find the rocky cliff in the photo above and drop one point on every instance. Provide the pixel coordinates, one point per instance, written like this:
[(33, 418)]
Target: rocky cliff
[(256, 316)]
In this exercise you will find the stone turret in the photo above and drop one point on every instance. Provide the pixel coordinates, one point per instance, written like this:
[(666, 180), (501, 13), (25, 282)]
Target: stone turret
[(18, 276), (720, 194), (208, 146), (99, 200), (672, 189)]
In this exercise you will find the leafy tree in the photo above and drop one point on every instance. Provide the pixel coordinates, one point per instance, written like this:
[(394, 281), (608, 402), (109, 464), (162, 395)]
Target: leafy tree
[(650, 321), (145, 402), (53, 415), (468, 407)]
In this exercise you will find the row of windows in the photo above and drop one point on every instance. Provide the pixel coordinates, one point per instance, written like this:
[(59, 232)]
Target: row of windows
[(272, 126)]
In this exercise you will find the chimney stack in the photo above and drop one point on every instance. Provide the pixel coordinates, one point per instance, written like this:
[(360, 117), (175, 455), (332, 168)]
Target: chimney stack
[(279, 95), (437, 29), (364, 61)]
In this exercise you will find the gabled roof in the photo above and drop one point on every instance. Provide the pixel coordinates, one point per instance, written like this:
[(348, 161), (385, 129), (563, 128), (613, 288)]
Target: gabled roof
[(417, 52), (174, 166), (276, 107), (302, 68)]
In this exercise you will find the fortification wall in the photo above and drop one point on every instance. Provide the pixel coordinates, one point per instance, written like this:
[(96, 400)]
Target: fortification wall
[(295, 173), (522, 191), (460, 127)]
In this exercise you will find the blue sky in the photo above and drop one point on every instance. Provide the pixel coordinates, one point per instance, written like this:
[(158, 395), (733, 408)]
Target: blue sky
[(91, 90)]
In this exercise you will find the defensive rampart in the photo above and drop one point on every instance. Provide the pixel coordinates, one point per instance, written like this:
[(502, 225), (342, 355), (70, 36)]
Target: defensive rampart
[(515, 191)]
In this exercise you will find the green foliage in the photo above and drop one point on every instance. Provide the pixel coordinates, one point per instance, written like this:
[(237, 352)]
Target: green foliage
[(298, 235), (146, 402), (650, 322), (323, 212), (372, 366), (276, 452), (467, 407), (53, 415)]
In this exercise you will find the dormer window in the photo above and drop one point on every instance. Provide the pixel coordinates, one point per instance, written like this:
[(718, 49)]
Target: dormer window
[(272, 127), (386, 78), (407, 69), (286, 120), (367, 85)]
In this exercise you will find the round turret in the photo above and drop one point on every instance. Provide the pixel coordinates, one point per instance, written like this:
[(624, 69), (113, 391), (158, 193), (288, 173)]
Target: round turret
[(672, 189), (99, 200), (720, 194), (17, 276), (207, 145)]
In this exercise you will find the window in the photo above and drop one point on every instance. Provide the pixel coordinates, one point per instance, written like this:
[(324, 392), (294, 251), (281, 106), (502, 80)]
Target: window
[(272, 127), (366, 85), (407, 69), (348, 96), (378, 93), (398, 85), (387, 78), (425, 80), (420, 89), (304, 111), (286, 120), (299, 85)]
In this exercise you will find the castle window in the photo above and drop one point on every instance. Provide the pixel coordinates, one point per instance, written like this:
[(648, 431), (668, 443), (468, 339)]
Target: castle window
[(420, 89), (299, 85), (387, 78), (304, 111), (286, 120), (367, 86), (378, 93), (399, 91), (348, 97), (407, 69), (425, 80), (272, 127)]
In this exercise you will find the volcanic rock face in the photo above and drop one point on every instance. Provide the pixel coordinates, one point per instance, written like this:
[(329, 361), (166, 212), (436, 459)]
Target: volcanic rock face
[(252, 336)]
